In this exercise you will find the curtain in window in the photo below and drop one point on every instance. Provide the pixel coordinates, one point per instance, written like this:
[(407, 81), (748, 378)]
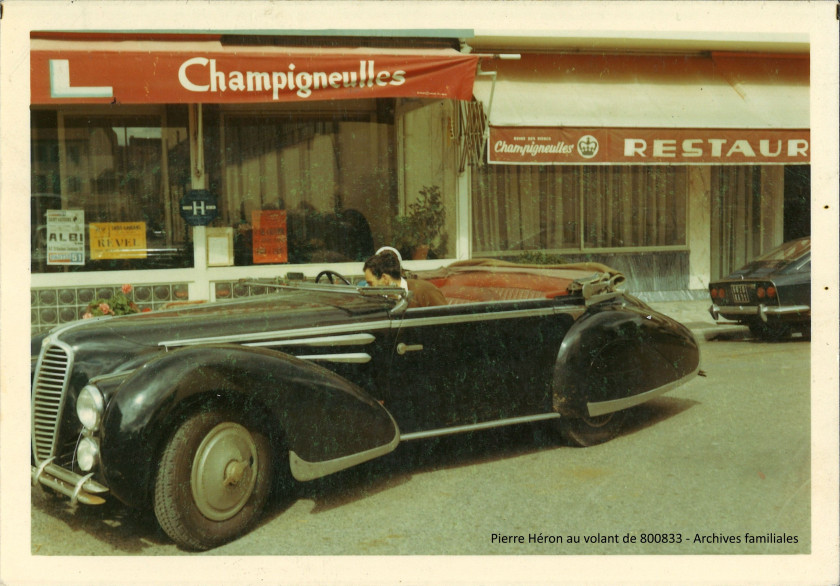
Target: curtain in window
[(332, 179), (526, 207), (735, 217), (534, 207), (634, 206)]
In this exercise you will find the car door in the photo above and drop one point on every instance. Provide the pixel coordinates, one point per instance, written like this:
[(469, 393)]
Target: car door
[(471, 363)]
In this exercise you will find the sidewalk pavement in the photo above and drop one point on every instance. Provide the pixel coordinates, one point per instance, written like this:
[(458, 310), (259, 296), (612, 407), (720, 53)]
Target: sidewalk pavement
[(694, 314)]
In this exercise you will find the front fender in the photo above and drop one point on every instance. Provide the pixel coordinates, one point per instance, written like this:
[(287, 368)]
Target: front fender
[(324, 421), (615, 354)]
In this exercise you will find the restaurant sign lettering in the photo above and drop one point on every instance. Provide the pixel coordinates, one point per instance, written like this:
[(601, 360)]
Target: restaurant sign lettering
[(587, 146)]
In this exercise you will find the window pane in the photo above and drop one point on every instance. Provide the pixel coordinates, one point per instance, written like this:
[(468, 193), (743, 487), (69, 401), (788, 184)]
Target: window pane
[(634, 206), (534, 207), (521, 208), (331, 182), (113, 170), (736, 217)]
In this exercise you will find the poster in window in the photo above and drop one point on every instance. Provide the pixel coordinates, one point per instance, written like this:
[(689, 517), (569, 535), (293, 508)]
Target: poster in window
[(269, 236), (65, 237), (117, 240)]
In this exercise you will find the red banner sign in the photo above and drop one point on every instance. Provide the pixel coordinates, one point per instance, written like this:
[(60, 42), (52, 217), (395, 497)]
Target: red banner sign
[(270, 243), (242, 76), (588, 146)]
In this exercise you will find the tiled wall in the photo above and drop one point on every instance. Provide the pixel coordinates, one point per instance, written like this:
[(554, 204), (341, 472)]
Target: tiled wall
[(237, 289), (54, 306)]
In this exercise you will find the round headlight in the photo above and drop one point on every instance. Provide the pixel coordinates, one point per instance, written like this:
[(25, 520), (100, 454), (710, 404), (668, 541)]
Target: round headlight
[(89, 407), (87, 454)]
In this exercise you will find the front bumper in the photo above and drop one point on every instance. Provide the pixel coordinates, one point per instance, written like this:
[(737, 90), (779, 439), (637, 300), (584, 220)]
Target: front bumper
[(762, 311), (80, 489)]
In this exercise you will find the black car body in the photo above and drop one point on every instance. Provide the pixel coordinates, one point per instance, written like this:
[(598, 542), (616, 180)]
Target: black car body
[(193, 411), (771, 294)]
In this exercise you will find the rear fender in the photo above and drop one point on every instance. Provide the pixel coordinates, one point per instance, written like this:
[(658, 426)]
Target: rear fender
[(619, 355), (324, 422)]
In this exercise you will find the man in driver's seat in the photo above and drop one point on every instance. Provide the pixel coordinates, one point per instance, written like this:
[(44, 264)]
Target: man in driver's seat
[(383, 270)]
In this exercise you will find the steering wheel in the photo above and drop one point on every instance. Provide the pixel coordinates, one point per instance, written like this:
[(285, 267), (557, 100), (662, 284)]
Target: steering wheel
[(332, 276)]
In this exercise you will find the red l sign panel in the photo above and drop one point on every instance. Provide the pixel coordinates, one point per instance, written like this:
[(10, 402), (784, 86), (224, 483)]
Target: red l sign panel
[(60, 83)]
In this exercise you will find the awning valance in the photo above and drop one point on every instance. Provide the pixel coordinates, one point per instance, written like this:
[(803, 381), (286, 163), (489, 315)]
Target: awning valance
[(685, 109), (143, 72)]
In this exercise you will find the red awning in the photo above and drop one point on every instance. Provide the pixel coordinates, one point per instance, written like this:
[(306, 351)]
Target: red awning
[(632, 109), (144, 72)]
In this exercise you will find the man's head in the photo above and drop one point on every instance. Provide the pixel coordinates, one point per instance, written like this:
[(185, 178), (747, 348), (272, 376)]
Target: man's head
[(383, 270)]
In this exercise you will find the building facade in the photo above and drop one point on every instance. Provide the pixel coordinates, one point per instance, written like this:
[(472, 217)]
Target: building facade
[(185, 164)]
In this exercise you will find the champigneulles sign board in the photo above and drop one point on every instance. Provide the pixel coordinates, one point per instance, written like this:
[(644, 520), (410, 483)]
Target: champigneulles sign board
[(243, 75), (587, 146)]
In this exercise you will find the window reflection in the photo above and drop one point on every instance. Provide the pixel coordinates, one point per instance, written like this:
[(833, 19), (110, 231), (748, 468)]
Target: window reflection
[(116, 170), (332, 181)]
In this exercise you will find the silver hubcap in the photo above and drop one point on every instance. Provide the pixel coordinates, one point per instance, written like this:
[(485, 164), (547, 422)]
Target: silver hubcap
[(224, 471)]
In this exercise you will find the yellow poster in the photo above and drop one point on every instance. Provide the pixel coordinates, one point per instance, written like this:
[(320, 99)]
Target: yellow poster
[(117, 240)]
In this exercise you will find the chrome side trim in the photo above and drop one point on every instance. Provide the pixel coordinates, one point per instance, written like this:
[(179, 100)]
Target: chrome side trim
[(346, 340), (277, 335), (329, 287), (303, 470), (411, 319), (477, 426), (412, 322), (349, 358), (58, 330), (604, 407)]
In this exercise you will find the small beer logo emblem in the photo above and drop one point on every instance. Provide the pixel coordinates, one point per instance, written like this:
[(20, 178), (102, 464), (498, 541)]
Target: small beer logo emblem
[(587, 146)]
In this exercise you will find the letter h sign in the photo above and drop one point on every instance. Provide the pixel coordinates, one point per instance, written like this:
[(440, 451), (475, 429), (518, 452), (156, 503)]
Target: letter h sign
[(198, 207)]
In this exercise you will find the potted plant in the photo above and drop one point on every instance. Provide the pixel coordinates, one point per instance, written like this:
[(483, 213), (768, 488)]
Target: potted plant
[(420, 229)]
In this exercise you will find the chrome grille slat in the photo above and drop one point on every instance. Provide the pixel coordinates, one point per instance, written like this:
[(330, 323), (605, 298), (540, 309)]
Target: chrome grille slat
[(49, 389), (740, 293)]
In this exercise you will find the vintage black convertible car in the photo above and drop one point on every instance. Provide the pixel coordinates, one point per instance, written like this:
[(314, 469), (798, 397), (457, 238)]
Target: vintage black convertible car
[(771, 294), (195, 411)]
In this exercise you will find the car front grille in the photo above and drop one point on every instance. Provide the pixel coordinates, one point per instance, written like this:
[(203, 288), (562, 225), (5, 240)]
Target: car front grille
[(740, 293), (48, 393)]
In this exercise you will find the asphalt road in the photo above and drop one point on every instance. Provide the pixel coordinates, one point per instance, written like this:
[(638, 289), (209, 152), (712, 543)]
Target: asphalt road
[(697, 471)]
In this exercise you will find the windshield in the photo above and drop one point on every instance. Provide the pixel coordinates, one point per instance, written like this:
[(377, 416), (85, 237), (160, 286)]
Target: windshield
[(787, 252)]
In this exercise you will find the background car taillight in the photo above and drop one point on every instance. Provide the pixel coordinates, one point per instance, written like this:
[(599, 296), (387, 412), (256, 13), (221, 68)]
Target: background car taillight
[(766, 292), (718, 293)]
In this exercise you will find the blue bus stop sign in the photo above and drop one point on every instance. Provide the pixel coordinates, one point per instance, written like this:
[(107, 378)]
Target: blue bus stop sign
[(198, 207)]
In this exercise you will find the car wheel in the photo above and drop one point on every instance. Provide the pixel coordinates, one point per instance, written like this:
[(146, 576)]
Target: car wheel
[(213, 480), (590, 431), (769, 331)]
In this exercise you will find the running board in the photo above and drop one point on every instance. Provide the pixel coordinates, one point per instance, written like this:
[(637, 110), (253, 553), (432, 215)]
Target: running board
[(476, 426)]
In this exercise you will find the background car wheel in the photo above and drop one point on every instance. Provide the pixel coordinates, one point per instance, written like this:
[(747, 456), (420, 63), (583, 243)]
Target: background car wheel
[(213, 480), (769, 331), (591, 431)]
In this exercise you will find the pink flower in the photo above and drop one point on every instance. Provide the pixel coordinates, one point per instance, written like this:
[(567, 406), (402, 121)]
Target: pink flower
[(126, 288), (105, 308), (87, 315)]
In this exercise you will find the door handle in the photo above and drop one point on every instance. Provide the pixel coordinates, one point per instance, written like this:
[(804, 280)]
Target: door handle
[(403, 348)]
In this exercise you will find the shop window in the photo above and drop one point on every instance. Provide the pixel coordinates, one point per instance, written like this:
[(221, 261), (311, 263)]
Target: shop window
[(634, 206), (556, 209), (735, 217), (105, 190), (302, 187), (797, 193)]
